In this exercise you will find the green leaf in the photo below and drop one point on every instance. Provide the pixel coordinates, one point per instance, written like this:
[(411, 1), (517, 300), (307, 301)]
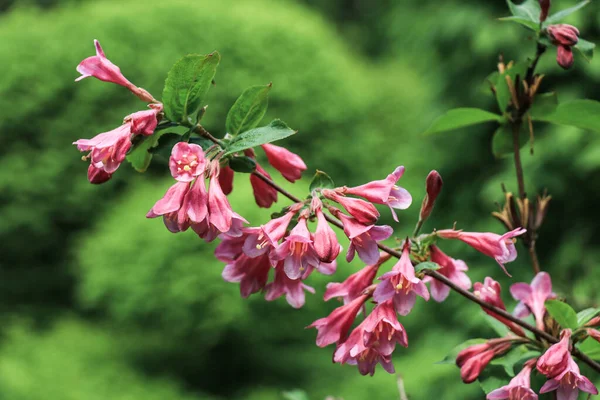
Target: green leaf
[(276, 130), (202, 142), (502, 141), (242, 164), (492, 378), (460, 118), (321, 181), (248, 110), (451, 357), (514, 357), (556, 18), (187, 84), (165, 144), (543, 104), (591, 348), (141, 155), (534, 26), (584, 114), (529, 10), (586, 49), (496, 325), (295, 395), (562, 313), (584, 316), (430, 265), (503, 96)]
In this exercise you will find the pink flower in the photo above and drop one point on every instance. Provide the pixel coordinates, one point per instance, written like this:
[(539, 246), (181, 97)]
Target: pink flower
[(264, 238), (293, 289), (187, 162), (145, 122), (264, 194), (108, 149), (532, 297), (563, 35), (101, 68), (433, 185), (226, 180), (556, 359), (451, 269), (489, 291), (569, 382), (297, 251), (356, 283), (363, 238), (401, 284), (519, 388), (334, 327), (473, 360), (230, 248), (221, 214), (385, 191), (251, 273), (501, 248), (564, 56), (325, 240), (290, 165), (363, 211), (97, 175)]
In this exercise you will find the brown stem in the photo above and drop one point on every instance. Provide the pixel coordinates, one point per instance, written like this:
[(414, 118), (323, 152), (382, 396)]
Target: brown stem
[(534, 258), (518, 166)]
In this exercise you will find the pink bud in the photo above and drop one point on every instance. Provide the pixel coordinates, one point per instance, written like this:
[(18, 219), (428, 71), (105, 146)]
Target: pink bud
[(593, 333), (101, 68), (290, 165), (545, 6), (97, 175), (473, 360), (187, 162), (434, 187), (226, 180), (264, 194), (334, 327), (362, 210), (594, 321), (564, 56), (325, 240), (563, 35), (144, 122)]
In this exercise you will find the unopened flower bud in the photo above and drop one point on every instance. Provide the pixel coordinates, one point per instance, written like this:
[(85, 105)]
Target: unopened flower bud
[(594, 334), (563, 35), (594, 321), (434, 185), (564, 57), (545, 6)]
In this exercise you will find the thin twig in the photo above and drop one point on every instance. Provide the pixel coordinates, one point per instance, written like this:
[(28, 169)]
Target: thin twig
[(401, 389)]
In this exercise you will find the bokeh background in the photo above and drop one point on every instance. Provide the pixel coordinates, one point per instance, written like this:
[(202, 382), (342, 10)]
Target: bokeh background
[(96, 302)]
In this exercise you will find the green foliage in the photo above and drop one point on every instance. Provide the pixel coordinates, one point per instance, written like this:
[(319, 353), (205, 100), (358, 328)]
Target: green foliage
[(584, 316), (562, 313), (584, 114), (248, 110), (559, 16), (514, 357), (242, 164), (502, 141), (590, 348), (586, 49), (140, 156), (276, 130), (460, 118), (451, 357), (493, 377), (321, 181), (427, 265), (529, 10)]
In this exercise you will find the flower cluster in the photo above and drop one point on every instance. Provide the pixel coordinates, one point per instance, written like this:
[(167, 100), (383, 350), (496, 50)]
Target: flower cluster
[(564, 37)]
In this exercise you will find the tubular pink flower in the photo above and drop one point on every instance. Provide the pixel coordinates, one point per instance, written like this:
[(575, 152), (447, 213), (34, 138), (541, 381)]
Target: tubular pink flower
[(556, 359), (385, 191), (290, 165), (489, 291), (108, 149), (187, 162), (569, 382), (324, 240), (519, 388), (221, 214), (101, 68), (356, 283), (265, 238), (334, 327), (282, 284), (363, 238), (383, 330), (297, 251), (97, 175), (145, 122), (473, 360), (501, 248), (564, 56), (226, 180), (532, 297), (563, 35), (264, 194), (401, 284), (363, 211), (251, 273), (451, 269), (170, 205), (230, 248), (433, 185)]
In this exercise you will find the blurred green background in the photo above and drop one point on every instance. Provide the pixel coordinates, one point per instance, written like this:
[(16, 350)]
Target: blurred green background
[(97, 302)]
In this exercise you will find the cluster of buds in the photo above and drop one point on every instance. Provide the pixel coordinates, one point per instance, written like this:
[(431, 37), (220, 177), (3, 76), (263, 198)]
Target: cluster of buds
[(564, 37), (107, 150), (517, 212)]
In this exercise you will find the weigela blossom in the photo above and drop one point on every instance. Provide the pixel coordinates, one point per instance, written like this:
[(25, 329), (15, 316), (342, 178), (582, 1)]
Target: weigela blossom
[(263, 239), (334, 327), (145, 122), (569, 382), (264, 194), (556, 359), (519, 388), (451, 269), (473, 360), (385, 191), (324, 239), (500, 247), (251, 273), (226, 179), (290, 165), (97, 175), (187, 162), (293, 289), (401, 284), (297, 251), (363, 238), (532, 297), (363, 211), (221, 214), (489, 291)]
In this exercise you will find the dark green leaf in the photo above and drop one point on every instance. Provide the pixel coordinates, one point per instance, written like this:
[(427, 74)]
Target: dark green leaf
[(534, 26), (141, 155), (502, 141), (584, 316), (276, 130), (584, 114), (202, 142), (248, 110), (460, 118), (562, 313), (556, 18), (427, 265), (586, 49), (295, 395), (165, 144), (503, 96), (451, 357), (514, 357), (529, 10), (496, 325), (187, 84), (321, 181), (492, 378), (242, 164), (544, 104), (591, 348)]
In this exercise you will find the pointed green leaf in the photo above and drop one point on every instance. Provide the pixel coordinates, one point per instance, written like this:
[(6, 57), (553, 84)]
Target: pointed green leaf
[(321, 181), (529, 9), (460, 118), (514, 357), (276, 130), (586, 49), (248, 110), (584, 114), (591, 348), (562, 313), (556, 18), (187, 84), (584, 316), (492, 378), (451, 357), (502, 141), (534, 26), (543, 104), (242, 164), (503, 96)]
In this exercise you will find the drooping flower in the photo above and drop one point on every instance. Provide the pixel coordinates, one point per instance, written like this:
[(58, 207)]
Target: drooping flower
[(97, 175), (433, 185), (473, 360), (297, 251), (500, 247), (230, 248), (451, 269), (334, 327), (356, 283), (533, 297), (325, 240), (264, 194), (108, 149), (489, 291), (292, 288), (265, 238), (564, 56), (569, 382), (363, 211), (385, 191), (221, 214), (251, 273), (556, 359), (363, 238), (226, 180), (519, 388), (145, 122), (290, 165), (187, 162), (401, 285)]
